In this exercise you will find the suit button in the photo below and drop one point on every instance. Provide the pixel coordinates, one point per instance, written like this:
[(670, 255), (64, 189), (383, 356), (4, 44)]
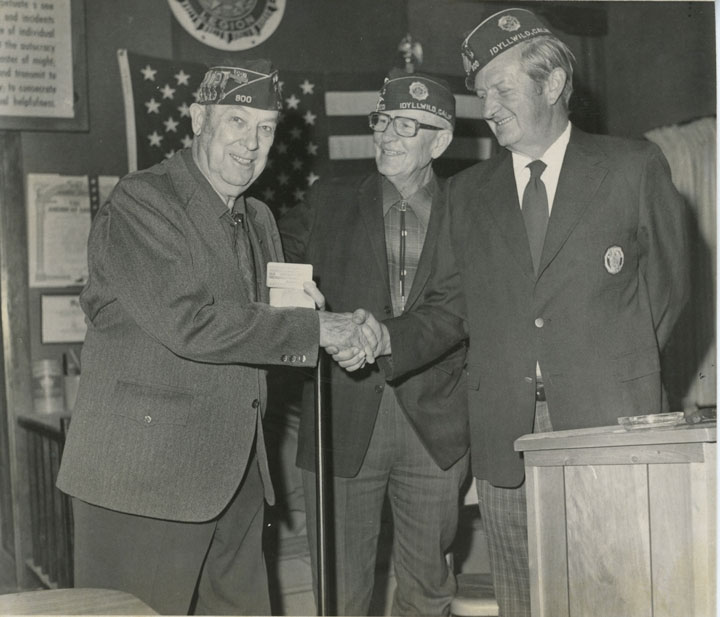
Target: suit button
[(539, 322), (284, 358), (256, 403), (388, 310), (303, 358), (379, 388), (147, 419)]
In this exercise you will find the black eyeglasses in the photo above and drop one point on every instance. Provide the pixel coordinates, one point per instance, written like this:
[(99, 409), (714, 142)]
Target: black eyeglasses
[(405, 127)]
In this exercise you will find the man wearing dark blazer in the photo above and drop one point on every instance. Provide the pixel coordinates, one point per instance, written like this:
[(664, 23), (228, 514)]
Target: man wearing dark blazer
[(370, 240), (565, 263), (165, 456)]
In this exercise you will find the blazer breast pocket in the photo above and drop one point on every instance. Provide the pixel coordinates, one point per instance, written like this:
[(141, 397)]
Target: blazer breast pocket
[(152, 405)]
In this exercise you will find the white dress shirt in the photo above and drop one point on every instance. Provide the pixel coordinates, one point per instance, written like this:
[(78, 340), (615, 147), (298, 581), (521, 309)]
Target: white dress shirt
[(553, 159)]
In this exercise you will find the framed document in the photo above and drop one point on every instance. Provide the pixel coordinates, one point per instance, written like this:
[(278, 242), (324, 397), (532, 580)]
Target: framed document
[(58, 216), (43, 66), (62, 319)]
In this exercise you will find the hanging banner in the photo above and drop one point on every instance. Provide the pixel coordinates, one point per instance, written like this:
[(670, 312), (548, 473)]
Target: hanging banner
[(232, 25)]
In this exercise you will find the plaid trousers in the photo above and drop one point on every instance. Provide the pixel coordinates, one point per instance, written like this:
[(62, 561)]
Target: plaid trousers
[(504, 515)]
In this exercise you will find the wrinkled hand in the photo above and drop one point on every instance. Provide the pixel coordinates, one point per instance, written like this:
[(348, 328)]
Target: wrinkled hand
[(311, 289), (372, 330), (343, 333)]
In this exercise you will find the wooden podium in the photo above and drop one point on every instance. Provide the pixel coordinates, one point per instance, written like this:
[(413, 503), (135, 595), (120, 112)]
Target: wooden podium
[(621, 523)]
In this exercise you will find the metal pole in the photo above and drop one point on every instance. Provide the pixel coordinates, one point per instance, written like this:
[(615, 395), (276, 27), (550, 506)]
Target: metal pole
[(322, 596)]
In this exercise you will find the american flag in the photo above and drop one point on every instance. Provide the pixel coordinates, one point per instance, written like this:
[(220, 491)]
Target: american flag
[(322, 130)]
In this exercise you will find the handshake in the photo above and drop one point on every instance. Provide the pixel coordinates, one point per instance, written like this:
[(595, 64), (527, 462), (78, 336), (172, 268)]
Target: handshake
[(352, 339)]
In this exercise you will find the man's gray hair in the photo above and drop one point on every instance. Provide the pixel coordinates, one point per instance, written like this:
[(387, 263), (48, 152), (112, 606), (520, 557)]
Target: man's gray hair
[(541, 55)]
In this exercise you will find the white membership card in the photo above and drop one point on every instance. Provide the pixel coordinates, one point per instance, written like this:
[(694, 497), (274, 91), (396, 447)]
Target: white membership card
[(286, 284)]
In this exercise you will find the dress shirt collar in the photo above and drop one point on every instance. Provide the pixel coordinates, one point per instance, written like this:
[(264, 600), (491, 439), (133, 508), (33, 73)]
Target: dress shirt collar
[(420, 201)]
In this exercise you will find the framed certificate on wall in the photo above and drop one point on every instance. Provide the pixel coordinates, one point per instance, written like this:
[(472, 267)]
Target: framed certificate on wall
[(43, 66), (62, 319)]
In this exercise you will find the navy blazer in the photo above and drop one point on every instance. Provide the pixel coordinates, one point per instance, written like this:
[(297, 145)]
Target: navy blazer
[(173, 386), (613, 279), (340, 231)]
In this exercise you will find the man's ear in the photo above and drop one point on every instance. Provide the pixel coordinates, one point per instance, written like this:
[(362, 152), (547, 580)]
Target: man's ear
[(555, 84), (197, 117), (441, 142)]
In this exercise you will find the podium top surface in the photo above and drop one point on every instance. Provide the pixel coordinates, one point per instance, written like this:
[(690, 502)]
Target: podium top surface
[(617, 435)]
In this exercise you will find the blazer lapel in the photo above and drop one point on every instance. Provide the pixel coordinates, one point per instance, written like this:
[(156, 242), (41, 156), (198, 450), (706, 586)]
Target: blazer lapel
[(580, 177), (370, 208), (499, 195), (424, 266), (258, 236)]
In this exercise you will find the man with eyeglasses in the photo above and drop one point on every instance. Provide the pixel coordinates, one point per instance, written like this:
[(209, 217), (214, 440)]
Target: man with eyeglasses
[(370, 240)]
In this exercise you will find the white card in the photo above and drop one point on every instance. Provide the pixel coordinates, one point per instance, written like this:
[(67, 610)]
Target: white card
[(290, 297), (288, 276), (286, 284)]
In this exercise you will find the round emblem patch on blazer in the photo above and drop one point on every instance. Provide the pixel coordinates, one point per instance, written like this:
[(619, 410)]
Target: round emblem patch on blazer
[(614, 259)]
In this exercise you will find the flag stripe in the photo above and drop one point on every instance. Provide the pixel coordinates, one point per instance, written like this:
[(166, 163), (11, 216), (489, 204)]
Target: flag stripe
[(362, 103), (348, 147), (344, 147), (350, 103), (466, 106), (470, 148), (358, 125)]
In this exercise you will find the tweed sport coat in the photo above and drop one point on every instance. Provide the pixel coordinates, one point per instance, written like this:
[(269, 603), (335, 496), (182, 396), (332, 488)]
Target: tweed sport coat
[(612, 282), (340, 231), (173, 383)]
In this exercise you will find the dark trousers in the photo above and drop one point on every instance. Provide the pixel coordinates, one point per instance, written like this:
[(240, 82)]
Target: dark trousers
[(163, 562)]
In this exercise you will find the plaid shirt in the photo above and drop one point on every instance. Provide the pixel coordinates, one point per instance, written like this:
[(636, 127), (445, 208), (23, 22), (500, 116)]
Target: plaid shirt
[(417, 215)]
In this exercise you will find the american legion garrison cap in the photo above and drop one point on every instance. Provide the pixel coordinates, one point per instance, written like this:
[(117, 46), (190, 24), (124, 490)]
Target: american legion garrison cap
[(496, 34), (255, 84), (402, 91)]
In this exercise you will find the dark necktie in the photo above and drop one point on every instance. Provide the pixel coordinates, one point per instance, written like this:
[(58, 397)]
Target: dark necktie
[(244, 252), (535, 211)]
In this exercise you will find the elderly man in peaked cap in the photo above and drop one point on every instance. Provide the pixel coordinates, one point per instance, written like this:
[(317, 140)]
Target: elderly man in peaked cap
[(565, 261), (371, 241), (165, 458)]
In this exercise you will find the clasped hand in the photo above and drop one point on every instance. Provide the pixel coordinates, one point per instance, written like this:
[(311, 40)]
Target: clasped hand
[(352, 339)]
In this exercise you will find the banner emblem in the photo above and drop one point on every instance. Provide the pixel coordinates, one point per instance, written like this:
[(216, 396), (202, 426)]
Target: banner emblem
[(230, 25)]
